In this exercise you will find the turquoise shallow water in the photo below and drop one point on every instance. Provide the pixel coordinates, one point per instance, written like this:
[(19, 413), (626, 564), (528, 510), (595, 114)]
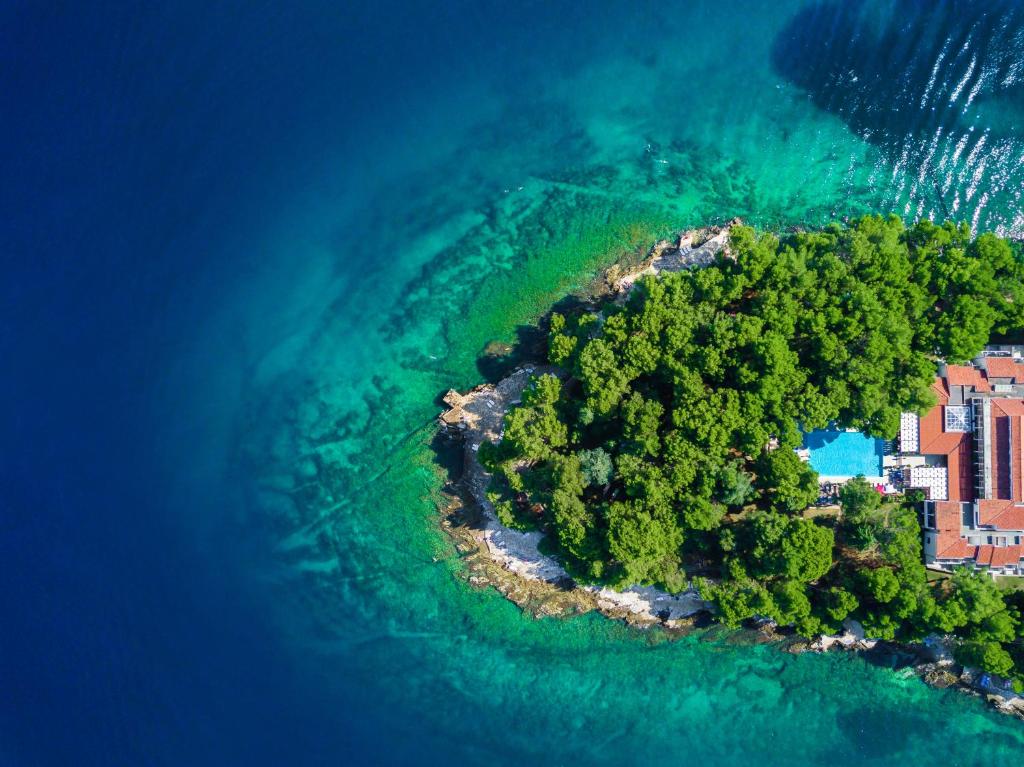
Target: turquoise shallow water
[(684, 120), (279, 236)]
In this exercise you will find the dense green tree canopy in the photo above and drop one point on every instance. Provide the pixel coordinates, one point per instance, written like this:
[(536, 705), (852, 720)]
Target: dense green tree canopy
[(787, 547), (665, 441), (989, 656)]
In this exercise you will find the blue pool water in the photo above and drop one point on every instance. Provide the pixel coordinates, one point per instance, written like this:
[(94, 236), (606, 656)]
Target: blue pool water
[(844, 453)]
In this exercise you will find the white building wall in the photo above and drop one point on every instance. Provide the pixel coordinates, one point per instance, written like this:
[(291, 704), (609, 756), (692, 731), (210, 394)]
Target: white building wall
[(930, 540)]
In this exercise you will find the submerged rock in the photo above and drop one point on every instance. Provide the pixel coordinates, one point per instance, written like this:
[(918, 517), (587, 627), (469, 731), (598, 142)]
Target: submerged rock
[(938, 677)]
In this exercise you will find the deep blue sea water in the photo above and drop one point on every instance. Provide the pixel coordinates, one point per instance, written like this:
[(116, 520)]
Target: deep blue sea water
[(245, 247)]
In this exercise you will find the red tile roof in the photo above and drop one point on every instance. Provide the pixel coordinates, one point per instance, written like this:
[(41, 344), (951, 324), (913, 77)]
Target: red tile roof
[(1004, 367), (1004, 511), (1005, 555), (989, 509), (955, 445), (947, 515), (949, 544), (1012, 518), (991, 556), (955, 548), (1002, 514), (1009, 406), (1007, 451), (984, 555), (966, 375)]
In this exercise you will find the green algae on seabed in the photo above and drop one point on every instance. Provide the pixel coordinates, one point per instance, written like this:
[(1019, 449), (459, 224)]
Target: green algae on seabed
[(397, 597), (355, 483)]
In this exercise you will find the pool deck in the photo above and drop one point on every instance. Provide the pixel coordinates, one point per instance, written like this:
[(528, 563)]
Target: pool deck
[(841, 478), (888, 461)]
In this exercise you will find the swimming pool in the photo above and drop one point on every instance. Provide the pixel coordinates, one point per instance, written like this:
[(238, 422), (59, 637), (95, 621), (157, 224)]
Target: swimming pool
[(844, 453)]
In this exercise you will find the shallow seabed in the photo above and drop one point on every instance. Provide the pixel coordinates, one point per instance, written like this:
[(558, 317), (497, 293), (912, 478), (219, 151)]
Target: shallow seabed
[(426, 192), (685, 123)]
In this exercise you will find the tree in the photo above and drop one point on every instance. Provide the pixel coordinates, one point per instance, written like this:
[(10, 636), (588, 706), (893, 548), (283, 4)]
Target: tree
[(605, 380), (839, 603), (596, 466), (789, 483), (878, 625), (858, 498), (567, 474), (735, 486), (806, 550), (576, 526), (1008, 276), (789, 547), (535, 429), (988, 656), (791, 602), (860, 503), (737, 601), (899, 541), (644, 541), (972, 607), (701, 513), (561, 344), (641, 419), (685, 403), (879, 584)]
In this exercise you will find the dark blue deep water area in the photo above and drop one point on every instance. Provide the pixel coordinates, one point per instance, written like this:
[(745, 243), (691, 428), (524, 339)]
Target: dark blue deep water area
[(245, 247)]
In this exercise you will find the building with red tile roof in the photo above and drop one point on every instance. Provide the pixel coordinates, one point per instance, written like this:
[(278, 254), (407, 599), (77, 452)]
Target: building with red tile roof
[(1004, 368), (967, 375), (967, 454)]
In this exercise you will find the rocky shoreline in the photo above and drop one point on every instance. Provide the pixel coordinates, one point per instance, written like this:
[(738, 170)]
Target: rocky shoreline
[(514, 563), (477, 416)]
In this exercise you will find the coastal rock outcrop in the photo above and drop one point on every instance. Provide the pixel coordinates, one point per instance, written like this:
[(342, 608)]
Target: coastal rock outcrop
[(514, 561), (478, 416), (693, 249)]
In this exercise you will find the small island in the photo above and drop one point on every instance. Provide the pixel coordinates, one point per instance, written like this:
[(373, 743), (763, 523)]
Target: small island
[(664, 449)]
